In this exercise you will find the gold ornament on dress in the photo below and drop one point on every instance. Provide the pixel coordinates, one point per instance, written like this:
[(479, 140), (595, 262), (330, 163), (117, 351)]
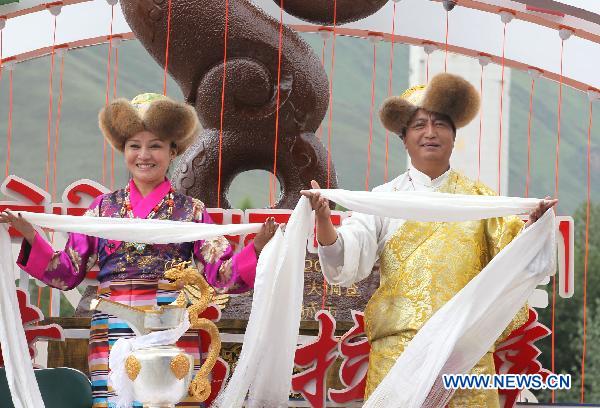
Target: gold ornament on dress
[(199, 293), (133, 367), (180, 366)]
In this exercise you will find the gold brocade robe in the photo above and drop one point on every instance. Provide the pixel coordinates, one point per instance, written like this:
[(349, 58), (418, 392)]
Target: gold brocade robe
[(422, 266)]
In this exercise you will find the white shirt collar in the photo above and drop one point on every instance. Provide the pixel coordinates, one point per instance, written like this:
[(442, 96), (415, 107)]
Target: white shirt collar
[(423, 179)]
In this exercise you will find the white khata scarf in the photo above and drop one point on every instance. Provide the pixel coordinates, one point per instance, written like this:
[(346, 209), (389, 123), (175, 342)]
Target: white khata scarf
[(452, 341)]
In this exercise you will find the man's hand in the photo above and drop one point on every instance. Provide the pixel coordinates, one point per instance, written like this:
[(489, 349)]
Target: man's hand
[(326, 234), (538, 211), (318, 203)]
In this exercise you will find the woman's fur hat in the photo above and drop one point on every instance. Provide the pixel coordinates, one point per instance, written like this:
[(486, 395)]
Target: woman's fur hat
[(170, 121), (448, 94)]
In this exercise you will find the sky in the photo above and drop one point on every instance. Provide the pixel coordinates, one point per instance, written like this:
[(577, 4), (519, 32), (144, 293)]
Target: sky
[(589, 5)]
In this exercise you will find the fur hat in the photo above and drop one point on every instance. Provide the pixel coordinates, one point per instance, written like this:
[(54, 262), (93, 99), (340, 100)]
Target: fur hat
[(170, 121), (448, 94)]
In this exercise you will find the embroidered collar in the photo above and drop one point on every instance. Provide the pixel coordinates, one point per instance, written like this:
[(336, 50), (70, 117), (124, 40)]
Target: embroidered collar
[(423, 179), (142, 206)]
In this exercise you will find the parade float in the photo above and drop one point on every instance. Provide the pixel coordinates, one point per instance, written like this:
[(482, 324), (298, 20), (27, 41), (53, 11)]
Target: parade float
[(262, 78)]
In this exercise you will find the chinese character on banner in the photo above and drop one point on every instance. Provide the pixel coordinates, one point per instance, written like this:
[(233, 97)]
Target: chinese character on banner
[(354, 348), (30, 315), (518, 354), (319, 356)]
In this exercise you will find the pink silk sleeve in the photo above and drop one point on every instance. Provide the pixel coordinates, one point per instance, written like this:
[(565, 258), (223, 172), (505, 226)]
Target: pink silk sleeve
[(60, 269), (224, 270)]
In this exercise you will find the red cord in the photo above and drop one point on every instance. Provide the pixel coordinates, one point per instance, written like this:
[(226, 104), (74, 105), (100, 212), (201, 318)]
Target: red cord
[(480, 125), (107, 92), (331, 72), (427, 70), (372, 109), (57, 126), (112, 150), (167, 46), (320, 131), (501, 109), (50, 98), (528, 178), (9, 130), (560, 86), (556, 180), (116, 68), (387, 133), (446, 56), (273, 185), (223, 102), (587, 248), (330, 126)]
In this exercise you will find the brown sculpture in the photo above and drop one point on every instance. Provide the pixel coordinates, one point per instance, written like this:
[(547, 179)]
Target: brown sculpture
[(196, 50), (321, 11)]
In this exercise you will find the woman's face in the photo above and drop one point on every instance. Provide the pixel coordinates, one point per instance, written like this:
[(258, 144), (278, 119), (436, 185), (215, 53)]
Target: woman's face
[(147, 157)]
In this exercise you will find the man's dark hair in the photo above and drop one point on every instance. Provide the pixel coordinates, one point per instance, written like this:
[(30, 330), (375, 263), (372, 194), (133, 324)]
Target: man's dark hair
[(434, 116)]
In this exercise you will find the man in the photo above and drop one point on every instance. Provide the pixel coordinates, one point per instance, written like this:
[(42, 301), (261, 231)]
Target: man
[(422, 265)]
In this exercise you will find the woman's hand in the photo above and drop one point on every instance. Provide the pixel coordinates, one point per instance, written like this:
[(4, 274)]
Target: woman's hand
[(318, 203), (543, 206), (265, 234), (20, 224)]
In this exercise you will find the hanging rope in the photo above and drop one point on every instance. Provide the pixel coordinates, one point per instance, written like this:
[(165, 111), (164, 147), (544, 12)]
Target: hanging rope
[(501, 108), (50, 99), (331, 72), (273, 178), (446, 55), (320, 131), (57, 125), (225, 34), (330, 125), (480, 124), (429, 48), (529, 122), (556, 184), (587, 247), (371, 111), (8, 130), (9, 122), (558, 118), (427, 70), (390, 75), (116, 41), (107, 91), (167, 46)]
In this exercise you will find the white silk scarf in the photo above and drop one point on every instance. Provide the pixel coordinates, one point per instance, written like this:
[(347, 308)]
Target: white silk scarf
[(266, 361)]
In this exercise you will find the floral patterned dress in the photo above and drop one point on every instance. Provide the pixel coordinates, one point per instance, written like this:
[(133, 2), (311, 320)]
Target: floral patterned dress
[(132, 273)]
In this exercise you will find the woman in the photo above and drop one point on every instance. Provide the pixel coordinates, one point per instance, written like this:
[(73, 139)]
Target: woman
[(150, 131)]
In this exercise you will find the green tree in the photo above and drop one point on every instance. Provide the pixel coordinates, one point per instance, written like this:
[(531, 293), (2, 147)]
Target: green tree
[(245, 203)]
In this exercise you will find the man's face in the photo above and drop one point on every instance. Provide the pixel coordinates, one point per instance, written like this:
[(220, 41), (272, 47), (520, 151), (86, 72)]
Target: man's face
[(429, 137)]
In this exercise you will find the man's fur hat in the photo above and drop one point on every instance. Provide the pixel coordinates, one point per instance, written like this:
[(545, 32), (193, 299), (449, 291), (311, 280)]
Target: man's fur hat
[(171, 121), (448, 94)]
